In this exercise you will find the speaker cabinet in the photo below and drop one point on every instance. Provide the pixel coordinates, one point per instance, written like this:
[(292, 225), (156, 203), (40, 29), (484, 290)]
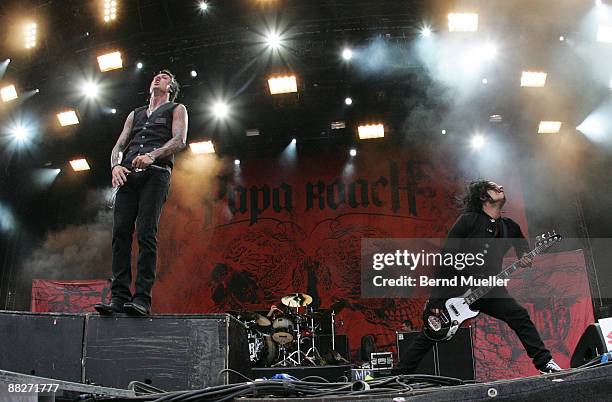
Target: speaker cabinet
[(590, 345), (42, 344), (451, 359), (171, 352), (428, 363)]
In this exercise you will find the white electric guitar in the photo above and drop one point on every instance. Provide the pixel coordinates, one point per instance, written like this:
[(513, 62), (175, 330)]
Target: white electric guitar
[(442, 327)]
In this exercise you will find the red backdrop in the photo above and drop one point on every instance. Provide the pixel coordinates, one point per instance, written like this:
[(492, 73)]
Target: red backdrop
[(242, 237)]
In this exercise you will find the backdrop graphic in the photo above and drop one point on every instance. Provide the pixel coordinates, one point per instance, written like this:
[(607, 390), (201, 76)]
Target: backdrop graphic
[(242, 237)]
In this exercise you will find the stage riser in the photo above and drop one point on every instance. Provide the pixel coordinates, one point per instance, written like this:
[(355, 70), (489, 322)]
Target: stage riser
[(171, 352)]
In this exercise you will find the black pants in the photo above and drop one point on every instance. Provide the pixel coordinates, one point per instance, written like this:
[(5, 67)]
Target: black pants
[(139, 202), (505, 309)]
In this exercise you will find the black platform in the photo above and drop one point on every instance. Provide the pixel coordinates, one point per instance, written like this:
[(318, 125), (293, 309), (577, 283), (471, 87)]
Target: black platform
[(171, 352)]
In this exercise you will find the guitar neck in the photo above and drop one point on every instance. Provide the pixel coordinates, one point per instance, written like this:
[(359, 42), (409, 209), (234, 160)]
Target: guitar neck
[(505, 274)]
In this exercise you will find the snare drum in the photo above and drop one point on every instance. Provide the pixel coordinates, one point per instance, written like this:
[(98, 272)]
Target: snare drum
[(282, 330)]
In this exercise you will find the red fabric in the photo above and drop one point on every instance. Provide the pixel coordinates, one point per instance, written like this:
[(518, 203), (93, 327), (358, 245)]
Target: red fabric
[(68, 296)]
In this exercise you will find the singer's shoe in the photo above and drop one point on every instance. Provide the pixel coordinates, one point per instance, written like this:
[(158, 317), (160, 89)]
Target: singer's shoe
[(111, 308), (136, 309)]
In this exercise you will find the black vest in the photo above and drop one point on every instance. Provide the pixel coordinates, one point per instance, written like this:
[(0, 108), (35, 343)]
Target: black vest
[(149, 133)]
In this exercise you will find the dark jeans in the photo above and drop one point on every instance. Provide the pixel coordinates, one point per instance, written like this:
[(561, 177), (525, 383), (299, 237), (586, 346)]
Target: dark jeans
[(139, 201), (505, 309)]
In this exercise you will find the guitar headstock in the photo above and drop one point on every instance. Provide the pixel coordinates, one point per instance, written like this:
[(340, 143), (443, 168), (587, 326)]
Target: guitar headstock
[(545, 240)]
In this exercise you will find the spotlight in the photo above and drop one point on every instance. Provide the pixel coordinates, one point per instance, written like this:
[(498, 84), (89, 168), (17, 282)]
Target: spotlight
[(8, 93), (348, 101), (113, 111), (236, 162), (347, 54), (139, 65), (273, 40), (371, 131), (203, 147), (203, 6), (37, 90), (282, 85), (462, 22), (561, 38), (293, 141), (604, 34), (110, 61), (79, 165), (194, 73), (533, 79), (110, 10), (353, 152), (598, 2), (478, 141), (443, 131), (252, 132), (68, 118), (220, 109), (30, 35), (90, 89), (20, 133), (485, 81), (549, 127), (426, 32)]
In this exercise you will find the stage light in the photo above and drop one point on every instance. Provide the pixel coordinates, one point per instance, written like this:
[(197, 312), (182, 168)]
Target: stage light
[(370, 131), (139, 65), (79, 165), (293, 141), (485, 81), (549, 127), (338, 125), (68, 118), (561, 38), (110, 61), (203, 6), (220, 109), (8, 93), (90, 89), (113, 111), (282, 85), (443, 131), (426, 32), (348, 101), (353, 152), (347, 54), (252, 132), (236, 162), (19, 132), (478, 141), (604, 34), (110, 10), (533, 79), (203, 147), (30, 35), (462, 22), (194, 73), (598, 2), (273, 40)]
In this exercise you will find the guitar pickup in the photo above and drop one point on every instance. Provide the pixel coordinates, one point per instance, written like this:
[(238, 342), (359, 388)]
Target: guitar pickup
[(455, 310)]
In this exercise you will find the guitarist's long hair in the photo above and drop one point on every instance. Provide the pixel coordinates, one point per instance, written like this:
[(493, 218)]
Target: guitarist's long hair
[(476, 194)]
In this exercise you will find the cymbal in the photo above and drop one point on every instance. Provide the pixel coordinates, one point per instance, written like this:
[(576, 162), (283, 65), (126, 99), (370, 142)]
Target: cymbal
[(297, 300), (258, 318)]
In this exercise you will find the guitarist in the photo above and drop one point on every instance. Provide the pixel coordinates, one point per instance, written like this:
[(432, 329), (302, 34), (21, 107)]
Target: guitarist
[(480, 223)]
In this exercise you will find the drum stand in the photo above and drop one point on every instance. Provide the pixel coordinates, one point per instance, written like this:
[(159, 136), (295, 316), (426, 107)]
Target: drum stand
[(313, 348), (289, 360)]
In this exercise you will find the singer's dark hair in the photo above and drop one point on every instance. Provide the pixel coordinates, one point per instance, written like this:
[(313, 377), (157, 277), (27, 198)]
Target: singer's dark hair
[(475, 195)]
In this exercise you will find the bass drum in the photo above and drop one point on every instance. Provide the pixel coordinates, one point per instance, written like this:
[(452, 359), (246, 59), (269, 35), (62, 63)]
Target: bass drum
[(262, 349)]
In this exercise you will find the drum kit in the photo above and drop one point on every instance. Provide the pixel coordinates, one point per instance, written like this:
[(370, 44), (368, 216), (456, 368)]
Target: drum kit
[(287, 337)]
